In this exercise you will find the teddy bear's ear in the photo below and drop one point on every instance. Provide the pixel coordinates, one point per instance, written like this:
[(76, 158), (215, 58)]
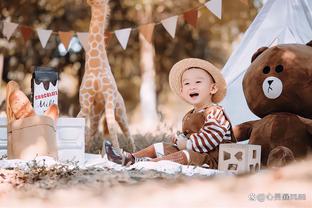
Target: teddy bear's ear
[(309, 43), (258, 52)]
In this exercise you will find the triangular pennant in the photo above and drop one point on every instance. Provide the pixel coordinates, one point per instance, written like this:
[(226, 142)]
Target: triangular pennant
[(123, 36), (170, 24), (147, 31), (83, 38), (26, 32), (215, 6), (107, 37), (246, 2), (191, 17), (44, 36), (65, 38), (8, 29)]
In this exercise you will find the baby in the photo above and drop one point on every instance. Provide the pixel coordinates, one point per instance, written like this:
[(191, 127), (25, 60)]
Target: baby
[(204, 128)]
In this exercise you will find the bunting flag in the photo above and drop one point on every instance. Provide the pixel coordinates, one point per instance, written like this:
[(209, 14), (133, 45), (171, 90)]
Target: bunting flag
[(83, 38), (191, 17), (215, 6), (123, 36), (147, 31), (170, 24), (65, 38), (8, 29), (44, 36), (26, 32)]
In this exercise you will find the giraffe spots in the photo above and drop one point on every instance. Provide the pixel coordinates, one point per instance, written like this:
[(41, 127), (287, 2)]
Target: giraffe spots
[(94, 62), (83, 91), (88, 83), (96, 85), (90, 100), (96, 13), (94, 44), (99, 38), (100, 18), (91, 92), (95, 29), (94, 52), (91, 38)]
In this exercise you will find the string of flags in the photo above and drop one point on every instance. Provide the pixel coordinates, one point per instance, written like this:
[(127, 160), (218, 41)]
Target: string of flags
[(122, 35)]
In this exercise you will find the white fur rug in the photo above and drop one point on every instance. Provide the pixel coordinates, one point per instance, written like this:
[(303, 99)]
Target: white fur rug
[(96, 161)]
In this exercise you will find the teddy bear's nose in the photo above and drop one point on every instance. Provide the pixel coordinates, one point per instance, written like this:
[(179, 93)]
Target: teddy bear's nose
[(270, 82)]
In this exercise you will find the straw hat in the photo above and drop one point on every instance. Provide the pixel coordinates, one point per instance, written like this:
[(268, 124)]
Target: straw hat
[(177, 70)]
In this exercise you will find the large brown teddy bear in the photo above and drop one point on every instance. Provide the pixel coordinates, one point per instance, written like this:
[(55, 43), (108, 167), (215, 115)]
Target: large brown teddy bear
[(278, 89)]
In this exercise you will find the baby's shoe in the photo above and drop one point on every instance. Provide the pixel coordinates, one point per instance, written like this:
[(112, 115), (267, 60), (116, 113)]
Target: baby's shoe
[(118, 155)]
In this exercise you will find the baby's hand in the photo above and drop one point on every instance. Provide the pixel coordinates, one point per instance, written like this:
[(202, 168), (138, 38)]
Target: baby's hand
[(181, 143), (181, 140), (176, 136)]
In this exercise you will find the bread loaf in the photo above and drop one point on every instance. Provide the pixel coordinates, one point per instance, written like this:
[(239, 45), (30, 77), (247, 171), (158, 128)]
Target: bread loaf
[(11, 87), (20, 105)]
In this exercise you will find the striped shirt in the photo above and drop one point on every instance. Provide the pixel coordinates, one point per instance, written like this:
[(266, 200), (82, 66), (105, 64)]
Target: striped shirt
[(216, 130)]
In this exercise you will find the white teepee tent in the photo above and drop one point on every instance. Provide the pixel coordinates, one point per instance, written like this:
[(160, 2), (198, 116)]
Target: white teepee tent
[(278, 22)]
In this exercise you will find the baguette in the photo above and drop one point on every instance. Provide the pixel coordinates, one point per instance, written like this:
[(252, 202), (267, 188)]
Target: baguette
[(10, 88), (20, 105)]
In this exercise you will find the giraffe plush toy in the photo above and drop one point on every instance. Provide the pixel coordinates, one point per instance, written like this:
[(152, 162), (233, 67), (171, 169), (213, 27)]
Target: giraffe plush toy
[(98, 92)]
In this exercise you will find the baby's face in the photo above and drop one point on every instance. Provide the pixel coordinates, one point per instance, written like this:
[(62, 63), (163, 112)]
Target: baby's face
[(197, 87)]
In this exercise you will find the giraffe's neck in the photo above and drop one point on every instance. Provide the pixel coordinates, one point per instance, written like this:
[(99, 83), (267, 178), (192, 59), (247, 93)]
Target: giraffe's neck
[(98, 19), (96, 40)]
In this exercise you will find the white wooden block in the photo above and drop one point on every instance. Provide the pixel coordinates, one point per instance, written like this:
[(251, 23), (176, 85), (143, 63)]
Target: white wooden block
[(239, 158), (70, 137)]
